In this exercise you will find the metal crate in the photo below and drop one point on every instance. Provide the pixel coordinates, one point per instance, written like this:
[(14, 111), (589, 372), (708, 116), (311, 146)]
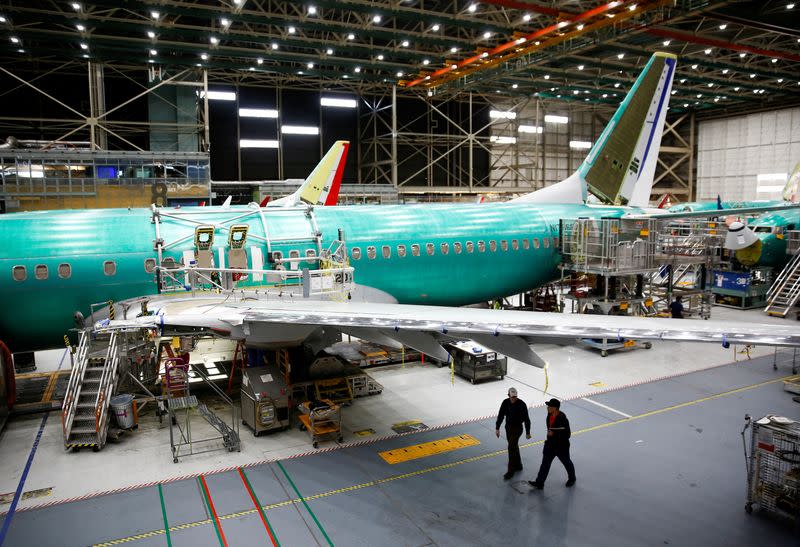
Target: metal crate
[(773, 467)]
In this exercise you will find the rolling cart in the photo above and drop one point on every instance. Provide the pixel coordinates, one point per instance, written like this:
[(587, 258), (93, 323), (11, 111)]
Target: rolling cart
[(322, 419), (773, 466)]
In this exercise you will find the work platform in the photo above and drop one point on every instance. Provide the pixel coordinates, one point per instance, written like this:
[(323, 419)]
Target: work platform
[(683, 482)]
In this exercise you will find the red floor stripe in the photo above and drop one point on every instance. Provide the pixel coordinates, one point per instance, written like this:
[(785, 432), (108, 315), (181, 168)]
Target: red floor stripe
[(213, 511), (258, 506)]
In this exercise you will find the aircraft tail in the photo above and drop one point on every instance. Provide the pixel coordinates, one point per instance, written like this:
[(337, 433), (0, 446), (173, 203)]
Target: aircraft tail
[(323, 184), (620, 167), (791, 192)]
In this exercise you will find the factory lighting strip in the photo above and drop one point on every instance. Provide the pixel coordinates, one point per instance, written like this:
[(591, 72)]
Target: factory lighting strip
[(571, 398)]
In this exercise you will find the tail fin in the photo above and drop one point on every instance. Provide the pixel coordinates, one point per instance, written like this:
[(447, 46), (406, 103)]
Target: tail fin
[(791, 192), (621, 165), (322, 185)]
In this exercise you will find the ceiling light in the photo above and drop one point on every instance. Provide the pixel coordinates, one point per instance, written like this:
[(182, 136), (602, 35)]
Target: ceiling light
[(724, 70), (580, 67), (14, 40), (514, 86), (400, 74), (562, 24), (76, 6), (3, 19), (310, 65), (151, 61), (292, 30), (430, 93), (258, 113), (151, 34), (436, 27), (404, 43), (485, 54), (453, 67), (521, 40), (85, 55), (274, 45), (260, 61), (580, 145), (723, 26), (580, 27), (530, 128), (526, 17), (502, 114), (80, 27), (666, 42), (487, 35), (710, 84), (214, 40), (426, 62), (155, 14), (381, 57), (300, 130), (780, 80), (219, 95), (549, 118), (752, 75), (699, 95), (683, 80), (707, 51), (632, 7), (84, 46), (546, 76), (743, 54), (329, 51), (472, 8), (204, 56), (620, 55), (351, 36), (153, 52), (576, 92), (685, 105), (613, 4), (225, 22), (258, 143), (774, 60), (605, 95), (694, 67), (338, 103), (736, 89), (376, 18), (453, 49), (357, 69), (312, 10), (616, 84), (789, 6)]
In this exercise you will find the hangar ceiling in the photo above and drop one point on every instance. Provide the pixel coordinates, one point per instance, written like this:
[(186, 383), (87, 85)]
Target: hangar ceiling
[(733, 55)]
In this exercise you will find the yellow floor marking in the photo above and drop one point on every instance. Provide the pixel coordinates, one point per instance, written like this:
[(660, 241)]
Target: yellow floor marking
[(413, 452), (364, 432), (425, 471), (597, 384), (30, 494)]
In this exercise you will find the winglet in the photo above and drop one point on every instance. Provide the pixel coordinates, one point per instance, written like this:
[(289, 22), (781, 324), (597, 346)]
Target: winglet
[(323, 184)]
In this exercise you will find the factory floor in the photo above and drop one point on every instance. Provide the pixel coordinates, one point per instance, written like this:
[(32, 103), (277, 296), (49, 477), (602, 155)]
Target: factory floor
[(679, 496)]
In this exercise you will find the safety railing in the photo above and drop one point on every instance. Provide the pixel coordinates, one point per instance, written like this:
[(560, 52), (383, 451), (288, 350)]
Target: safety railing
[(608, 246), (690, 240), (106, 387), (72, 393)]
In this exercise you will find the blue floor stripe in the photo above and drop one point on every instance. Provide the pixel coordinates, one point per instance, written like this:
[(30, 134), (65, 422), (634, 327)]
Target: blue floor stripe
[(18, 493)]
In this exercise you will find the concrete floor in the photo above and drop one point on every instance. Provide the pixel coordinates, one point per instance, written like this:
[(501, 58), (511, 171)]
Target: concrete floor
[(414, 392), (672, 473)]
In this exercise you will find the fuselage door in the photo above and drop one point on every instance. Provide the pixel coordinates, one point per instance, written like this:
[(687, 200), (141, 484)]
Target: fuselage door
[(203, 243), (237, 239)]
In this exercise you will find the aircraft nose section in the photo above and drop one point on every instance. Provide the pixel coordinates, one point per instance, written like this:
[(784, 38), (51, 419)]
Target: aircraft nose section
[(750, 255)]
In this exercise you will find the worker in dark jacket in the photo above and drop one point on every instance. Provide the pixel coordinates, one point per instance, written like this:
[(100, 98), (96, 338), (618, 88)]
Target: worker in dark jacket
[(515, 413), (556, 445)]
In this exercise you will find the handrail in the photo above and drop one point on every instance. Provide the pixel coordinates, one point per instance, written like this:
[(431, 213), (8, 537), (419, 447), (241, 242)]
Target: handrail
[(106, 385), (72, 394), (780, 282)]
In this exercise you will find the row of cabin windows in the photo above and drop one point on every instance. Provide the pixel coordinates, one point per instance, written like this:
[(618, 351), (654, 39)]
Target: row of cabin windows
[(41, 271), (457, 247)]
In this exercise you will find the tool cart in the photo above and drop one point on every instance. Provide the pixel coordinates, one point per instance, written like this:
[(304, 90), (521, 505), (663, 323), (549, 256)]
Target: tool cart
[(322, 419)]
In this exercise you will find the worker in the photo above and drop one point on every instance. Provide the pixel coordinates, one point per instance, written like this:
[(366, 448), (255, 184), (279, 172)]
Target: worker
[(556, 445), (676, 308), (515, 413)]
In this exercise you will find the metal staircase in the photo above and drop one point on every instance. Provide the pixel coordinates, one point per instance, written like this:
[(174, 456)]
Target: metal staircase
[(85, 411), (785, 292)]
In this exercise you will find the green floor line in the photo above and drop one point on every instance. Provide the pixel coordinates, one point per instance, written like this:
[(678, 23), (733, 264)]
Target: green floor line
[(310, 512), (270, 529), (164, 514), (211, 512)]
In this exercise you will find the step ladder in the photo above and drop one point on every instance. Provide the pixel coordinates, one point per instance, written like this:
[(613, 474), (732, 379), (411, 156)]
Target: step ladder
[(85, 411), (785, 292), (336, 389)]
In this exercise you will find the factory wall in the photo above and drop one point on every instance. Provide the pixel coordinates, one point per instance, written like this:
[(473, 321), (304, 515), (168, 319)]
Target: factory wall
[(747, 157)]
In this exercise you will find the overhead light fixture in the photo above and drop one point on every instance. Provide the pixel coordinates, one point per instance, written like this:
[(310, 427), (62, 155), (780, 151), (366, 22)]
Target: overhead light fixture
[(292, 30), (151, 34), (694, 67), (551, 118), (710, 84), (3, 19), (80, 27), (312, 10), (514, 86), (225, 22), (605, 95), (435, 27), (683, 80), (580, 27), (724, 70), (576, 92), (526, 17), (666, 42), (580, 145), (487, 35), (260, 61), (155, 15), (632, 7), (502, 139), (76, 6), (453, 49), (742, 55), (426, 61), (14, 40), (151, 61), (376, 18), (685, 105), (404, 43), (521, 40), (219, 95), (502, 115), (430, 93), (453, 67), (153, 52), (616, 84), (84, 45), (85, 55), (380, 57), (357, 69), (274, 45), (329, 51), (736, 89), (310, 65), (774, 60), (258, 113), (485, 54), (214, 40), (752, 75), (546, 76), (472, 8), (699, 95), (707, 51), (562, 24), (530, 128), (204, 56), (338, 103), (723, 26), (351, 36), (580, 67), (780, 80), (789, 6), (400, 74), (258, 143), (620, 55), (300, 130)]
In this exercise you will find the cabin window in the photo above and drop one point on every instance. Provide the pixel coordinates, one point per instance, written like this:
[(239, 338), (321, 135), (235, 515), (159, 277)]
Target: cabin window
[(555, 243), (294, 253), (401, 251), (414, 250), (149, 266), (65, 270), (526, 244), (493, 245), (109, 267), (470, 247), (356, 253), (457, 247), (481, 247), (504, 245), (169, 263), (19, 273), (445, 248), (311, 253), (515, 245), (371, 253), (386, 251), (277, 256), (40, 272), (535, 242), (429, 248), (546, 242)]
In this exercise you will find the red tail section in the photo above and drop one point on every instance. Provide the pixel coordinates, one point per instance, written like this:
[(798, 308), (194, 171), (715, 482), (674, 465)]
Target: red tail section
[(333, 194)]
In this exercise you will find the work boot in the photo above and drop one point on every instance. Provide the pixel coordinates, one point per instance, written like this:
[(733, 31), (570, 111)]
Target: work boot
[(508, 475), (536, 485), (570, 482)]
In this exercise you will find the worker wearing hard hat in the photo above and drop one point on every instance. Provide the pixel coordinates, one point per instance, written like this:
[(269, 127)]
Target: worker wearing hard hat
[(515, 413), (556, 445)]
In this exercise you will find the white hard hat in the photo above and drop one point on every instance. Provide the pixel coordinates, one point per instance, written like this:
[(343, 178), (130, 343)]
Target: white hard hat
[(512, 392)]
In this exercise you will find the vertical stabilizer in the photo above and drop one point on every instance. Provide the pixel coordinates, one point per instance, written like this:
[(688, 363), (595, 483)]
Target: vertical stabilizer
[(322, 185), (790, 191), (621, 165)]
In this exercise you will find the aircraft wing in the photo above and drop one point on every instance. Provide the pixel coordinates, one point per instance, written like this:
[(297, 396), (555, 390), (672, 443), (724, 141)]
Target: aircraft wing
[(425, 328), (717, 212)]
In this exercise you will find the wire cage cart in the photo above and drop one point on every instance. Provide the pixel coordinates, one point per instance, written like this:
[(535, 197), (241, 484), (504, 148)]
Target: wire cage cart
[(773, 466), (322, 419)]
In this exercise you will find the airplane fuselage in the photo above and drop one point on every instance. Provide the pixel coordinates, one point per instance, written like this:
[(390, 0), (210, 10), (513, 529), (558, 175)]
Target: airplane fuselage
[(54, 263)]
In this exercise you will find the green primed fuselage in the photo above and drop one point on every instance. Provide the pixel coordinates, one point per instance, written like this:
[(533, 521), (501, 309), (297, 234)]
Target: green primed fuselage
[(39, 309)]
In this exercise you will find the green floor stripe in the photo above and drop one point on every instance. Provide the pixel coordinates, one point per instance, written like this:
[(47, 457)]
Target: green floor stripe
[(164, 514), (310, 512), (261, 508), (210, 512)]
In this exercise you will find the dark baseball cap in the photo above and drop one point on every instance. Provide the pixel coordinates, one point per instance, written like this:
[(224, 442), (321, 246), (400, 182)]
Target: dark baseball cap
[(554, 402)]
